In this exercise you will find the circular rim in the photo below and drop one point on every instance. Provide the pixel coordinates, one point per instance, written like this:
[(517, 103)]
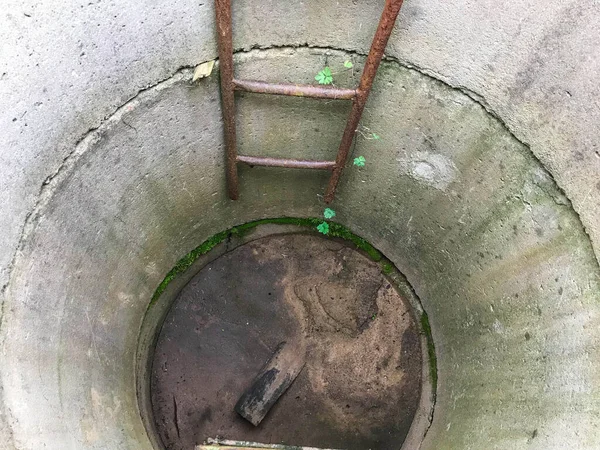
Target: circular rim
[(228, 240)]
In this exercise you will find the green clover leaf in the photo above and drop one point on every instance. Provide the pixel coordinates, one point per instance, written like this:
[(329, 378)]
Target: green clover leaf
[(329, 213), (360, 161), (324, 76), (323, 228), (348, 64)]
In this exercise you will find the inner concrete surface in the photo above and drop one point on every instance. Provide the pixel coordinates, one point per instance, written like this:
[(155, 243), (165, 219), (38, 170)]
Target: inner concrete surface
[(361, 381), (484, 190)]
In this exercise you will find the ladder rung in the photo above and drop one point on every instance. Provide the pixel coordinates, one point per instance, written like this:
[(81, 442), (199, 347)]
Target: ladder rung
[(295, 90), (358, 96), (289, 163)]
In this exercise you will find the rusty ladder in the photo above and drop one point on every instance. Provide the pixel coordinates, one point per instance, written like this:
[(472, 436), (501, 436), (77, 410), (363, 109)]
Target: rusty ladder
[(358, 96)]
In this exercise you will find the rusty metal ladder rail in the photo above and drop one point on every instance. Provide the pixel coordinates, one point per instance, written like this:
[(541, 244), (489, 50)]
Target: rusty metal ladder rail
[(359, 97)]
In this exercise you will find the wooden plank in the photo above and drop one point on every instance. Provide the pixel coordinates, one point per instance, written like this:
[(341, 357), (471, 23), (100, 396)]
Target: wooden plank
[(272, 381)]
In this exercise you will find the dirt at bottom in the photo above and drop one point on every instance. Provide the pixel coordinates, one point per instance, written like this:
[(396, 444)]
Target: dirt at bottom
[(361, 384)]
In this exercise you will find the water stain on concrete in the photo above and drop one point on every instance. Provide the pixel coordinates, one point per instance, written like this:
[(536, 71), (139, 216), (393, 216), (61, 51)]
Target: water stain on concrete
[(433, 169)]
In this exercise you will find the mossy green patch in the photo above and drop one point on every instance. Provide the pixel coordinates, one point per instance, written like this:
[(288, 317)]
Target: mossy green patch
[(401, 283), (426, 327), (387, 268), (184, 263), (335, 230)]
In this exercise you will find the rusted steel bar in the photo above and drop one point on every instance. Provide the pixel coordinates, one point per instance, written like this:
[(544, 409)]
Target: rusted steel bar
[(294, 90), (382, 35), (225, 43), (289, 163)]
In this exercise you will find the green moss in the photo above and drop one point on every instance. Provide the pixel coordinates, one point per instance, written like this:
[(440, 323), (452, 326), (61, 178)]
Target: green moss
[(335, 230), (426, 327), (184, 263), (401, 283), (387, 268), (341, 231)]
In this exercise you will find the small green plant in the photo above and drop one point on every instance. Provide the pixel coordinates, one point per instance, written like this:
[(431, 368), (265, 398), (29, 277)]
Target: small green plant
[(329, 213), (375, 136), (348, 64), (324, 76), (323, 228), (360, 161)]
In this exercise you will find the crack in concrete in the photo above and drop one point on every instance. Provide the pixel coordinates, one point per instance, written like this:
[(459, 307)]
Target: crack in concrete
[(49, 185)]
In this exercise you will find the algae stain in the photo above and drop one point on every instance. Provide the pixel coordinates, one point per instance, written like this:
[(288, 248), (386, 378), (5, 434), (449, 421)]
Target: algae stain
[(426, 328), (335, 230), (392, 273), (387, 268)]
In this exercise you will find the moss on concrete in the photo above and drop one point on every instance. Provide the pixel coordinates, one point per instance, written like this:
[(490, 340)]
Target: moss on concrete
[(403, 286), (426, 328), (335, 230), (387, 268)]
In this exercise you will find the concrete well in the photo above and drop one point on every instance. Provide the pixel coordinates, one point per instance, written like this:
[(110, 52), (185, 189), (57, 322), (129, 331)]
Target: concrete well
[(482, 190)]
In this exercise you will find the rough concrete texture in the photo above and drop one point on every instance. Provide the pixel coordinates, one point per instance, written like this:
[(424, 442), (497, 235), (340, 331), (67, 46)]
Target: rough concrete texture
[(93, 219)]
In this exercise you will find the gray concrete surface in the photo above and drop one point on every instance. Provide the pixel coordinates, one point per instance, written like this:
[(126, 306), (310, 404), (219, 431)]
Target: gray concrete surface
[(111, 170)]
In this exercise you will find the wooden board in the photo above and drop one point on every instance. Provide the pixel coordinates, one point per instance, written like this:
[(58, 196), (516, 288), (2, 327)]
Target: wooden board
[(272, 381)]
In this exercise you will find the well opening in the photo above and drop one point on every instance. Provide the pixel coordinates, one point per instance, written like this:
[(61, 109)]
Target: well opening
[(366, 369)]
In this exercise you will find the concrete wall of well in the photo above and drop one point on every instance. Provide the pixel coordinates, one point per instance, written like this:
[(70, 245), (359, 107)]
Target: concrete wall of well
[(484, 189)]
